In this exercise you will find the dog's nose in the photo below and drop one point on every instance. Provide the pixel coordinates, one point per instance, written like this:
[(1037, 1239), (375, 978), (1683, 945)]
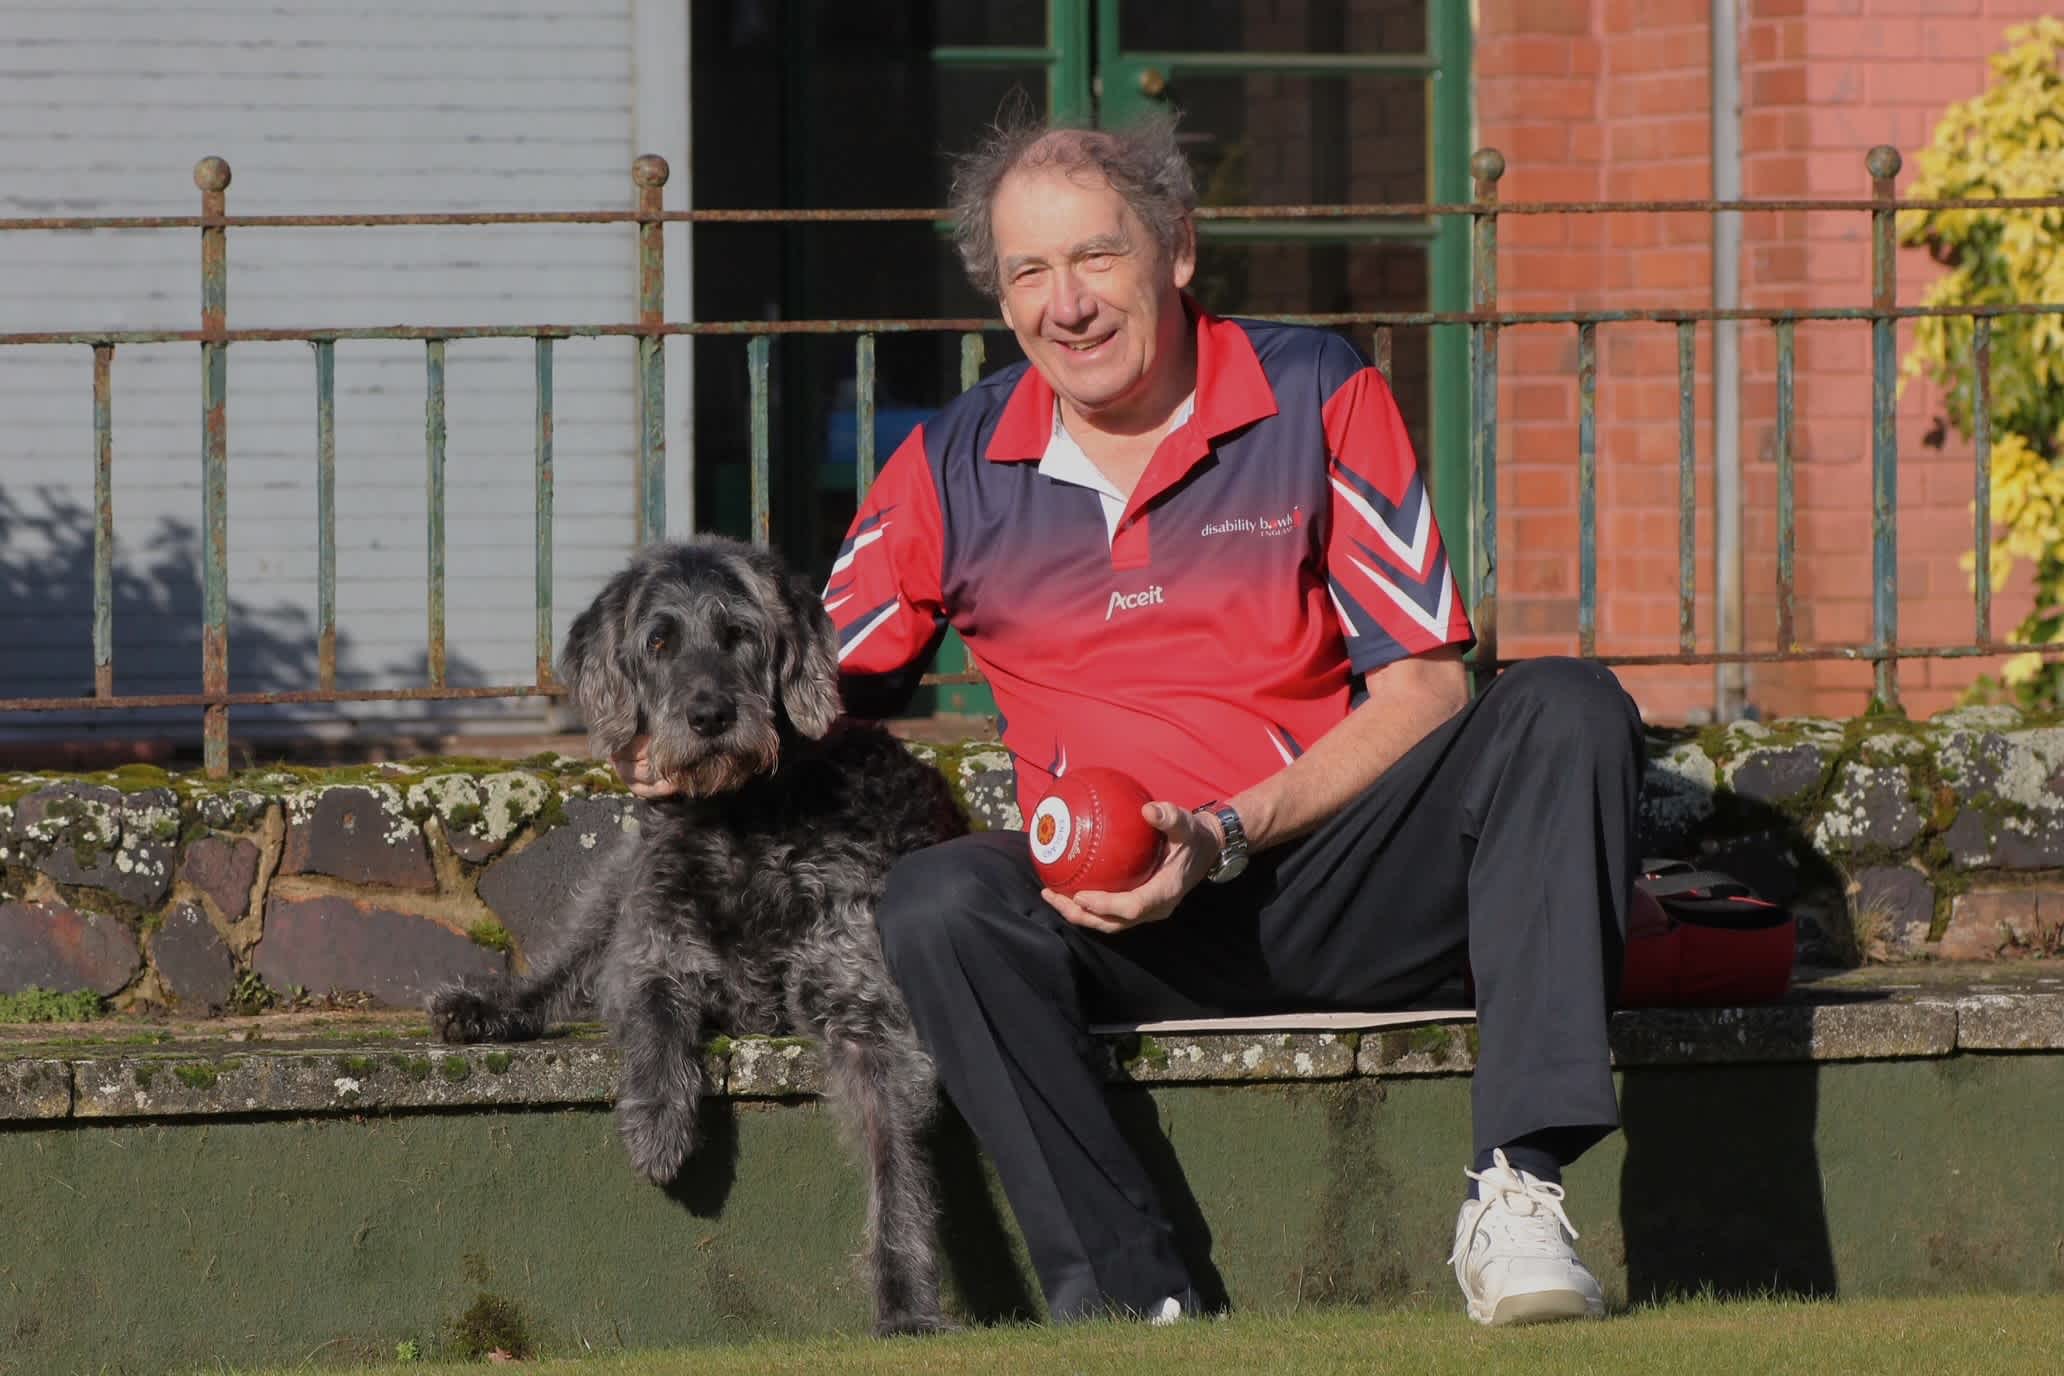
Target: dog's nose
[(711, 717)]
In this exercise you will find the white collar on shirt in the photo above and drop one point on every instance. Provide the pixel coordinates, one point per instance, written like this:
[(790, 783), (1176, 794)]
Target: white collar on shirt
[(1065, 462)]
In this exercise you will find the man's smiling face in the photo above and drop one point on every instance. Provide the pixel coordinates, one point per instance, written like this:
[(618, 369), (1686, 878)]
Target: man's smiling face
[(1093, 301)]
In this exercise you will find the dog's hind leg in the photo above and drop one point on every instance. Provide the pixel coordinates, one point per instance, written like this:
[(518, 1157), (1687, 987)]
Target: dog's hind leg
[(882, 1085), (512, 1008)]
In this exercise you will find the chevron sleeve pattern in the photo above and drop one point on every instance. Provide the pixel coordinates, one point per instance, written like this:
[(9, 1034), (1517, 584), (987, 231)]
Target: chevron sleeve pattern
[(1386, 567), (883, 593)]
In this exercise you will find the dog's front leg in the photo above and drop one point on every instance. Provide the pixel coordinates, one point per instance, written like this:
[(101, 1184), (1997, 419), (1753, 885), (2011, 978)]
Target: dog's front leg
[(660, 1031), (882, 1084), (513, 1008)]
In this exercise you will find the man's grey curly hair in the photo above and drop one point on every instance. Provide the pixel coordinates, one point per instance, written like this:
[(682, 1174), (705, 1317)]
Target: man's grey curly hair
[(1141, 162)]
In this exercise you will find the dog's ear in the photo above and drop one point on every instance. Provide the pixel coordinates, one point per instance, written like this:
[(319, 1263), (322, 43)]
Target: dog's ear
[(591, 667), (807, 673)]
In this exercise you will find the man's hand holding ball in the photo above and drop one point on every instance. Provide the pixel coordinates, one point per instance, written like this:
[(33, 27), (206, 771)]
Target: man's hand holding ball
[(1110, 856)]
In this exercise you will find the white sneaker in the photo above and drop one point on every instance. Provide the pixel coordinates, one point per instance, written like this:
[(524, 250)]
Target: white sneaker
[(1165, 1313), (1510, 1255)]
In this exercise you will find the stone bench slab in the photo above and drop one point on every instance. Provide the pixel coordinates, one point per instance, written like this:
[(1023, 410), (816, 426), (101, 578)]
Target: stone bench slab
[(360, 1063)]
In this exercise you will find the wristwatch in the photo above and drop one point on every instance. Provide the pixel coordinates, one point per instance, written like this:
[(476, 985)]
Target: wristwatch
[(1232, 856)]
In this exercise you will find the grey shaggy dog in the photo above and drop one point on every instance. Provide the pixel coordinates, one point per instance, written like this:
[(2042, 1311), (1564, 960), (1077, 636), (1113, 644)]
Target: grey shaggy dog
[(746, 905)]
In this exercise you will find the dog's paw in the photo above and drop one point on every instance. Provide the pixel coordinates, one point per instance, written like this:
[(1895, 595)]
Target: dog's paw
[(911, 1326), (657, 1136), (459, 1014)]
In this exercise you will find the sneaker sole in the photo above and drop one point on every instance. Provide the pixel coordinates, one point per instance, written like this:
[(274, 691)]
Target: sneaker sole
[(1546, 1306)]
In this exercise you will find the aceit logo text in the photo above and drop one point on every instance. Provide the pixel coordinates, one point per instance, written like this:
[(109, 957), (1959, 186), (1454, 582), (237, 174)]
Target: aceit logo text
[(1133, 601)]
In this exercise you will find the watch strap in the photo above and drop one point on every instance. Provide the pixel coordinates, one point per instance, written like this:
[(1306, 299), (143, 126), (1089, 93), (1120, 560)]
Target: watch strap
[(1232, 852)]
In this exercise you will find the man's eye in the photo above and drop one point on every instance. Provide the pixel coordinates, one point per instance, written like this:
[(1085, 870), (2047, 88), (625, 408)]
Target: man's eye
[(1098, 261)]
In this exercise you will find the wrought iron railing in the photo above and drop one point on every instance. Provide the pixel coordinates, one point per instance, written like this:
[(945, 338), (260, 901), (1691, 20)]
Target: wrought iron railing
[(1483, 321)]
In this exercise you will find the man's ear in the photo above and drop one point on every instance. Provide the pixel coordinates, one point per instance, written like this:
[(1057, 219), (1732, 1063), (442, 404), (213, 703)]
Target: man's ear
[(1184, 263)]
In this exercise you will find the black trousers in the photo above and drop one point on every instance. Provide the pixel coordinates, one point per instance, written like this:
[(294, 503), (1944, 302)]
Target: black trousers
[(1505, 838)]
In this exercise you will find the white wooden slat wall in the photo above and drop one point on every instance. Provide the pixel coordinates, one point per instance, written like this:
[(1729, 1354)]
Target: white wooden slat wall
[(319, 106)]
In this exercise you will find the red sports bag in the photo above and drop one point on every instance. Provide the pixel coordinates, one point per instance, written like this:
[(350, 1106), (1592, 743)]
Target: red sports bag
[(1699, 937)]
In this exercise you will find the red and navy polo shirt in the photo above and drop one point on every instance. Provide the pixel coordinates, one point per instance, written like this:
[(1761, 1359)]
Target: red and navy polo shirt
[(1280, 544)]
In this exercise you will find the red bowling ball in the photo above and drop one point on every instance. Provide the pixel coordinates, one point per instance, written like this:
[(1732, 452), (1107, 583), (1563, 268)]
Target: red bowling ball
[(1087, 833)]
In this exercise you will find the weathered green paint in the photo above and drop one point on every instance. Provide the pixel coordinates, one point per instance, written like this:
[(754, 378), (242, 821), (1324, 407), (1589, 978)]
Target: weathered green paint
[(649, 173), (326, 511), (1883, 164), (971, 355), (992, 55), (1587, 489), (652, 439), (1449, 31), (1687, 486), (863, 415), (103, 522), (1324, 231), (1132, 82), (1787, 529), (1121, 94), (1487, 165), (822, 215), (1070, 78), (756, 364), (542, 464), (953, 656), (1664, 315), (212, 176), (1981, 468), (355, 1235), (1283, 64), (433, 439), (1066, 58)]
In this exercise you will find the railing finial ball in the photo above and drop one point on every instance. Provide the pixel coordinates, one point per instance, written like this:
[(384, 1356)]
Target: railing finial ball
[(1488, 164), (650, 169), (1883, 162), (211, 174)]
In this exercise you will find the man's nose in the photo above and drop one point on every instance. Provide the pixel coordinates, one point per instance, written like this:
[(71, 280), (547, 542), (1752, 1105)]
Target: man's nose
[(1070, 303)]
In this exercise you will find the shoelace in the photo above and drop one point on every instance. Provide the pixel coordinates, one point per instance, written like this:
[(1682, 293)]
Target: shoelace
[(1523, 1197)]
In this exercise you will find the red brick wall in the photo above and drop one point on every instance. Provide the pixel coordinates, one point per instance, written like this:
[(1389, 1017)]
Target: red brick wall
[(1610, 99)]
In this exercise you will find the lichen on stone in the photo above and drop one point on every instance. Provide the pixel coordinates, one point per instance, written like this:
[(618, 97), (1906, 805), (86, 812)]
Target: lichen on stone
[(508, 801), (1892, 745), (1820, 730), (1678, 793), (1867, 807), (1994, 716)]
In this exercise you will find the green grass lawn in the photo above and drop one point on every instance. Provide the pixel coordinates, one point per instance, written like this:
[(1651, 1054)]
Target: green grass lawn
[(1978, 1335)]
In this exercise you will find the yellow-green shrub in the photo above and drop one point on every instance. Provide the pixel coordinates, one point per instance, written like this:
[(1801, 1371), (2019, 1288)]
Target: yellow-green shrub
[(2008, 141)]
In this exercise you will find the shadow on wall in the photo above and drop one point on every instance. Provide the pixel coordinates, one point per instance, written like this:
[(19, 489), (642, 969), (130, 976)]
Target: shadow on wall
[(46, 625), (1720, 1191), (1720, 1187), (982, 1259)]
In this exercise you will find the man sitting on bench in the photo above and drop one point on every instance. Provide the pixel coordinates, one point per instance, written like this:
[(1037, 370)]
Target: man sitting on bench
[(1202, 551)]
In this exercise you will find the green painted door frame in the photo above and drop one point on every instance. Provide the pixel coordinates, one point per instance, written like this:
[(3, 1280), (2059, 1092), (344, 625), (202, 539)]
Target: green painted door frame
[(1452, 92)]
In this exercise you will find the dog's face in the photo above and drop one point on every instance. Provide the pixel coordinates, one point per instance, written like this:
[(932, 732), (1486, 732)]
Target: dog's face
[(711, 650)]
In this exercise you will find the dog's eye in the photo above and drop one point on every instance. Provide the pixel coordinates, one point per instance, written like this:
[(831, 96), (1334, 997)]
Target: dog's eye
[(656, 643), (729, 634)]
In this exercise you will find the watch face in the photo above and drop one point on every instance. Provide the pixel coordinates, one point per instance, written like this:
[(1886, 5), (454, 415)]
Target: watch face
[(1232, 858)]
